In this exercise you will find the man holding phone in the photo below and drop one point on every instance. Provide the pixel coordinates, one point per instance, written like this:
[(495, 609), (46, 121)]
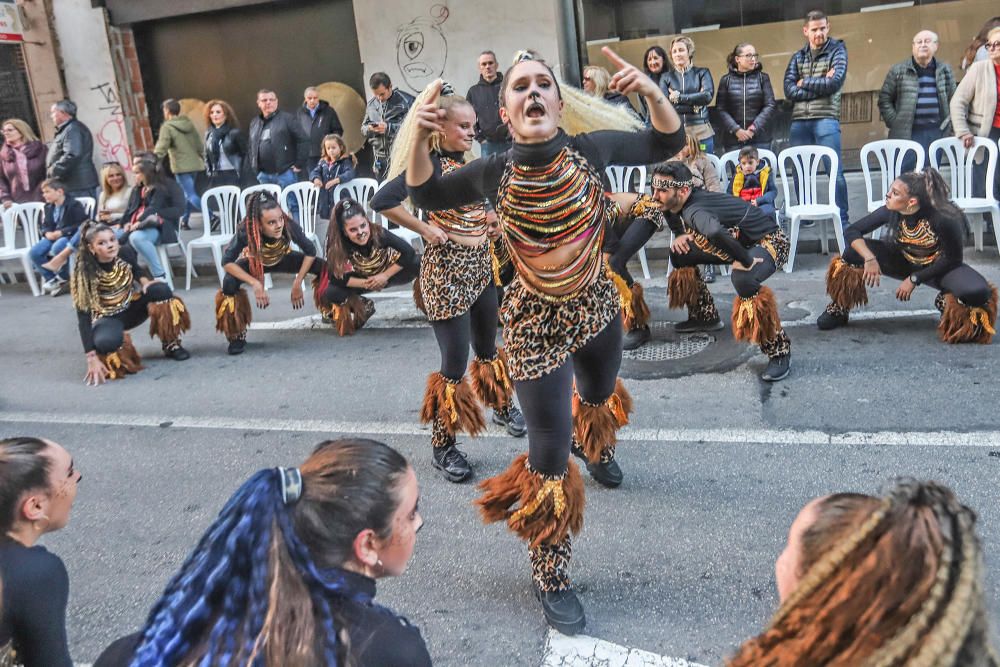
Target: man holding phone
[(383, 117)]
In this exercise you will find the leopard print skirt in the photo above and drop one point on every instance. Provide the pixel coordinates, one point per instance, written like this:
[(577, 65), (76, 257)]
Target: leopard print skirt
[(452, 277), (539, 336)]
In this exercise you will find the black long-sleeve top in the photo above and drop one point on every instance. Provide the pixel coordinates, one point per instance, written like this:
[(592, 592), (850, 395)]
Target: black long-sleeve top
[(235, 248), (406, 257), (378, 637), (714, 214), (481, 178), (945, 241), (394, 193), (85, 319), (35, 594)]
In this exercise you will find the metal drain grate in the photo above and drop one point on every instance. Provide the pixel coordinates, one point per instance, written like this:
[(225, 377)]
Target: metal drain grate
[(686, 346)]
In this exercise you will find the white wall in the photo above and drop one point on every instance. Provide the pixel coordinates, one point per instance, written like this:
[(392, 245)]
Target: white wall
[(429, 39), (90, 77)]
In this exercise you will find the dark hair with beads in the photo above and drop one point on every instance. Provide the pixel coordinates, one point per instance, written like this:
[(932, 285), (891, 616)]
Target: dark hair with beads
[(265, 586), (257, 203), (336, 237), (23, 467)]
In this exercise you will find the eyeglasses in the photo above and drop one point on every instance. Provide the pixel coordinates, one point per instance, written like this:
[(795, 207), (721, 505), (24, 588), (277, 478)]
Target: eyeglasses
[(10, 129), (919, 42), (992, 46), (587, 78), (751, 56)]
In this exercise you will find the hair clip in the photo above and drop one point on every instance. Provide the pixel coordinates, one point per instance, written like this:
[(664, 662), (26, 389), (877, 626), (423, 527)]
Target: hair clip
[(524, 54), (447, 90), (291, 485)]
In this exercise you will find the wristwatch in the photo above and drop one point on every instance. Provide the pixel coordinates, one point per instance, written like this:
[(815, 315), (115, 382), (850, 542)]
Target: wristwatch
[(914, 279)]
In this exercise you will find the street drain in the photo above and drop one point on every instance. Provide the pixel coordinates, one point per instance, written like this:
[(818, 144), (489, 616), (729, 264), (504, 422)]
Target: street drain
[(686, 346)]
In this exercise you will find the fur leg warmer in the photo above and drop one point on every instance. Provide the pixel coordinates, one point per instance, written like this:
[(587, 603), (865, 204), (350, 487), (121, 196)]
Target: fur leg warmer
[(351, 315), (756, 319), (538, 508), (418, 296), (491, 381), (168, 319), (595, 427), (455, 402), (684, 287), (964, 324), (123, 361), (846, 284), (232, 314)]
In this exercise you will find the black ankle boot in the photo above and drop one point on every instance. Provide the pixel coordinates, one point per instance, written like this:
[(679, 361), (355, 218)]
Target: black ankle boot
[(636, 338), (608, 474), (451, 463), (563, 610)]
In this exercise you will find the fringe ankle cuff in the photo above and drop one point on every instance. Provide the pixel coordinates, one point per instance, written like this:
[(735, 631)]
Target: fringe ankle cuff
[(232, 314), (168, 319), (351, 315), (595, 427), (756, 319), (547, 509), (965, 324), (636, 313), (418, 296), (455, 403), (123, 361), (491, 381), (684, 287), (846, 284)]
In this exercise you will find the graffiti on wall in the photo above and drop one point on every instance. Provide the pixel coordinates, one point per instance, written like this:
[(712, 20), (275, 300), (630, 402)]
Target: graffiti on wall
[(111, 135), (422, 48)]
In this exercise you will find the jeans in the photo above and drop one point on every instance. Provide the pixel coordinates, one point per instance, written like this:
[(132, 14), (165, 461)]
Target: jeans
[(41, 251), (284, 179), (494, 147), (381, 168), (707, 145), (186, 181), (923, 135), (145, 241), (823, 132)]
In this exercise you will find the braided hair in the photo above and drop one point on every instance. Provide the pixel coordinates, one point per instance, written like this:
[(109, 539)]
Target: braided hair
[(887, 582), (336, 237), (264, 585), (83, 282), (259, 202)]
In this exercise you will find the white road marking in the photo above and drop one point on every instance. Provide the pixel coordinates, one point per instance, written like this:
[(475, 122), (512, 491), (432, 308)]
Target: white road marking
[(857, 316), (584, 651), (990, 439)]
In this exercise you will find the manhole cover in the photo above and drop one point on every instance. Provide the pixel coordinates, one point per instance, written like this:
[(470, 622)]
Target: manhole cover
[(684, 347)]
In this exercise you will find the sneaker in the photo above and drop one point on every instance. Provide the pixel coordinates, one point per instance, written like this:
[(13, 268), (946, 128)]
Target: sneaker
[(636, 338), (827, 321), (608, 474), (176, 352), (50, 285), (451, 463), (514, 421), (237, 345), (61, 288), (708, 275), (777, 368), (691, 325), (563, 610)]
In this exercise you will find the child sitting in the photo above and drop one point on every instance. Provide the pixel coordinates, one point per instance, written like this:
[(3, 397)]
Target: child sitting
[(753, 184), (335, 167)]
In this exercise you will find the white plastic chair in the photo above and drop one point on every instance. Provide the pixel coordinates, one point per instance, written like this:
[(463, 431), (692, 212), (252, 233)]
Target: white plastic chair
[(407, 235), (89, 205), (962, 163), (225, 199), (806, 163), (621, 181), (306, 195), (732, 158), (273, 188), (360, 190), (28, 216), (890, 154)]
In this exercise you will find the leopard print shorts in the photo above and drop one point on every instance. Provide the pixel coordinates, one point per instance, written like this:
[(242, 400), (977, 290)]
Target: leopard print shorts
[(539, 336), (452, 277)]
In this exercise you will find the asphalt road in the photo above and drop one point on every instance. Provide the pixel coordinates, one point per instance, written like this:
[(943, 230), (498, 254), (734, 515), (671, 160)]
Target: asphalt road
[(678, 561)]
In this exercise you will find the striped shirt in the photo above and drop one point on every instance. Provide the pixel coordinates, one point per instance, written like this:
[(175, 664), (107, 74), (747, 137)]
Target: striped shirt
[(928, 111)]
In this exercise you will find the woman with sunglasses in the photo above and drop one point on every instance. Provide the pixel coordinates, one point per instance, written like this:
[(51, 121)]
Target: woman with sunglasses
[(745, 100), (38, 484)]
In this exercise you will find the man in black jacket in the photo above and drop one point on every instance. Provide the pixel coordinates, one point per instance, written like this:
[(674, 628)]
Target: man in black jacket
[(491, 132), (279, 147), (71, 153), (318, 119), (383, 118)]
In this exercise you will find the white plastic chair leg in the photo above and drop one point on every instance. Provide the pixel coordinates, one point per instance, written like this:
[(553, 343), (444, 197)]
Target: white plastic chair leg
[(838, 231), (268, 283), (977, 231), (217, 256), (824, 238), (670, 265), (643, 262), (793, 229), (187, 257), (996, 225), (29, 274)]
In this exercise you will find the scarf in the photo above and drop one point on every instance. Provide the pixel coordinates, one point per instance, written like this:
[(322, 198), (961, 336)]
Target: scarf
[(216, 135)]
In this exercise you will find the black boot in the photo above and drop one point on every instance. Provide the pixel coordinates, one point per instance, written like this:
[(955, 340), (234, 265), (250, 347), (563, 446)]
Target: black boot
[(550, 573), (237, 345), (563, 610), (605, 472), (777, 368), (512, 419), (832, 317), (450, 461), (636, 338)]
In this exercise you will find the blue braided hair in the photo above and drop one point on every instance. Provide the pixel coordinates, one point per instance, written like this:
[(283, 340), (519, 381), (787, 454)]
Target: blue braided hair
[(264, 584)]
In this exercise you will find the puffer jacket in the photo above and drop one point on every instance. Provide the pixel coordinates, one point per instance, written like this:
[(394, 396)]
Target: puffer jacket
[(745, 99), (897, 101), (71, 157), (696, 88), (819, 96)]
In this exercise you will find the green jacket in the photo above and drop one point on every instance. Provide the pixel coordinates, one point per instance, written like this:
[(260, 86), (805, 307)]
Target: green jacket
[(897, 101), (180, 140)]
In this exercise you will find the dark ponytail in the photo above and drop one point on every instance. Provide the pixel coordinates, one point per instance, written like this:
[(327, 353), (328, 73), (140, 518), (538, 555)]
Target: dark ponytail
[(23, 468), (336, 238), (934, 196)]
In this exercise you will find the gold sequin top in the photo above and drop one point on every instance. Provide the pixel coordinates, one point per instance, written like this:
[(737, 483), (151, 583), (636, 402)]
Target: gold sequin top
[(369, 262), (464, 221), (272, 251), (115, 289), (918, 243)]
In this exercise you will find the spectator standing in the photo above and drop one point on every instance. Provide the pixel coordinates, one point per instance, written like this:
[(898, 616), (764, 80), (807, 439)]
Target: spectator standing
[(22, 164), (180, 143), (914, 98), (975, 110), (63, 215), (318, 119), (484, 96), (335, 167), (225, 145), (813, 81), (654, 63), (596, 81), (38, 484), (279, 147), (976, 50), (690, 89), (745, 100), (71, 153), (383, 116)]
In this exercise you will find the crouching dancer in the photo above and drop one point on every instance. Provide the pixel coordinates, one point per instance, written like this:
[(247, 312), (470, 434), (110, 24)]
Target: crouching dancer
[(924, 246), (717, 228), (112, 295), (262, 244)]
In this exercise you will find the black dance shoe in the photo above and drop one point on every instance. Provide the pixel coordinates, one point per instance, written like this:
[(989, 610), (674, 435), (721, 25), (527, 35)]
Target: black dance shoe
[(636, 338), (176, 352), (608, 474), (827, 321), (708, 275), (237, 345), (691, 325), (514, 421), (451, 463), (777, 368), (563, 610)]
